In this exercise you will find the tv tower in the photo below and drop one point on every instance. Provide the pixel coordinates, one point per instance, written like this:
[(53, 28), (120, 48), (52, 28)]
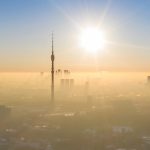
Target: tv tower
[(52, 73)]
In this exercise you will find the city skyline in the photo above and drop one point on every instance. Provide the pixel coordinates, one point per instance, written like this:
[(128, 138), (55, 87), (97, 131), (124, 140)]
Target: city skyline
[(26, 27)]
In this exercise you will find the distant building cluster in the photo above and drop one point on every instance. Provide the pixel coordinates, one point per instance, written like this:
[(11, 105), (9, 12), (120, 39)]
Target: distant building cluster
[(60, 72)]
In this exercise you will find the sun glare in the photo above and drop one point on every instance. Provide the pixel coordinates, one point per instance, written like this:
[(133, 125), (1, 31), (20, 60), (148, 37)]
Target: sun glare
[(92, 39)]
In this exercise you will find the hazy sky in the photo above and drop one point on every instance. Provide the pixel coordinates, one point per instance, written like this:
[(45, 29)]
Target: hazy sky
[(26, 25)]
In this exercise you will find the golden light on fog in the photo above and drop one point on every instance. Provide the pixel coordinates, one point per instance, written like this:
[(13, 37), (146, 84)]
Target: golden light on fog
[(92, 39)]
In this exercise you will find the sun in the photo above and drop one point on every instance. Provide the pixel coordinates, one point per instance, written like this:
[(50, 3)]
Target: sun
[(92, 39)]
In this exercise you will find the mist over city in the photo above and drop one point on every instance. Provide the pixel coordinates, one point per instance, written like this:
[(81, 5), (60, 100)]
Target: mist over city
[(105, 110)]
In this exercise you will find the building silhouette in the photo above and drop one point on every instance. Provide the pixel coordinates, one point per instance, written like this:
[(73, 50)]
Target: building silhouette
[(148, 79)]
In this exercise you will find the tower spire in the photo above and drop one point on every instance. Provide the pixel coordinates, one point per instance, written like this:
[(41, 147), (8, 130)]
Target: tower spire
[(52, 44), (52, 71)]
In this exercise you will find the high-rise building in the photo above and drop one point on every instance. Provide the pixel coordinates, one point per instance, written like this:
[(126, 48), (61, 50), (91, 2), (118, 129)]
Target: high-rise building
[(67, 83)]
